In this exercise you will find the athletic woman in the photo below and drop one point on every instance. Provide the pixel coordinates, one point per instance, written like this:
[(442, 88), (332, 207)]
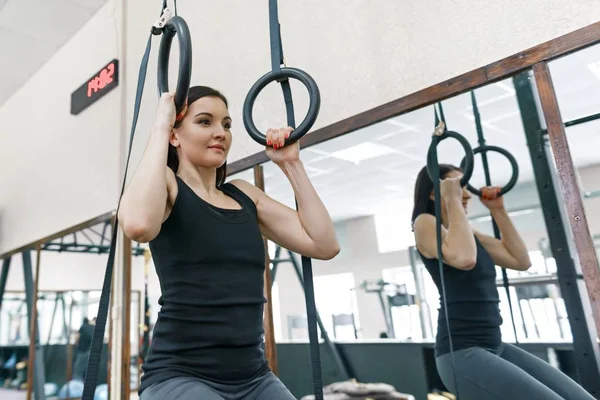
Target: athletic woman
[(486, 368), (206, 238)]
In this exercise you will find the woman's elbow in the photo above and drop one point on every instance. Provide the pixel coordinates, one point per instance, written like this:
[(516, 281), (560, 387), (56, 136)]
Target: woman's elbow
[(463, 263), (138, 230), (329, 252)]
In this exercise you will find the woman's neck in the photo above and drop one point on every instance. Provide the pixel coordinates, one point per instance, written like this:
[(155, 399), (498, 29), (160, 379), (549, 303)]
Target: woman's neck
[(200, 178)]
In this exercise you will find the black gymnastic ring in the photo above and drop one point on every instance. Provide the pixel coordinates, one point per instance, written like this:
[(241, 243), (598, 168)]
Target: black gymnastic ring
[(513, 162), (175, 26), (313, 108), (467, 169)]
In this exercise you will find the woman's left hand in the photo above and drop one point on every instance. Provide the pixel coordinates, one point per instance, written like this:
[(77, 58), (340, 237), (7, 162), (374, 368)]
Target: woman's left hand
[(491, 199), (276, 151)]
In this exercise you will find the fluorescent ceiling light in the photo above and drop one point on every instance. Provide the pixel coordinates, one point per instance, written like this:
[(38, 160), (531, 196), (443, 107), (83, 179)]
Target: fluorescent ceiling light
[(595, 68), (363, 151)]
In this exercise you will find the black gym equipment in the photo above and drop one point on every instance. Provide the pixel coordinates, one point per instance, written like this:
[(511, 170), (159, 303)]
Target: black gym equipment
[(571, 282), (175, 26), (282, 75), (169, 27), (433, 169), (483, 149), (390, 295), (38, 367)]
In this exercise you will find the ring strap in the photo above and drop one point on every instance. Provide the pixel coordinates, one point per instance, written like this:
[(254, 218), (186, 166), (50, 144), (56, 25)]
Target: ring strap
[(93, 365)]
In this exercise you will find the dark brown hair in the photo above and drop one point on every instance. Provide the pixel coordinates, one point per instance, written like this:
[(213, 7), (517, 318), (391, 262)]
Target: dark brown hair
[(195, 93)]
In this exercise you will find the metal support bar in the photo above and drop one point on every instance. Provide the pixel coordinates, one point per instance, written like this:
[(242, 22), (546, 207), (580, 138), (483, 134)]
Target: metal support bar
[(424, 315), (572, 287), (582, 120), (39, 375), (4, 277), (343, 367)]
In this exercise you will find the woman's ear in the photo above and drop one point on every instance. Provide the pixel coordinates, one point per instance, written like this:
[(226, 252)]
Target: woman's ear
[(174, 138)]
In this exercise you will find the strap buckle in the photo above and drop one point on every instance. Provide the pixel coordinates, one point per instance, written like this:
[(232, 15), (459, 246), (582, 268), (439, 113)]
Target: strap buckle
[(159, 25), (440, 129), (282, 65)]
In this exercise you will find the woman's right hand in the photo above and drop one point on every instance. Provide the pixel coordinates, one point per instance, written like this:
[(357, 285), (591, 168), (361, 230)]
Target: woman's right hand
[(450, 189), (166, 113)]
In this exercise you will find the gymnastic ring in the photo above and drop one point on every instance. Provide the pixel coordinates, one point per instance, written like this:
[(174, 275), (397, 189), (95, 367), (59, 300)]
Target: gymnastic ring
[(513, 162), (467, 169), (284, 73), (176, 26)]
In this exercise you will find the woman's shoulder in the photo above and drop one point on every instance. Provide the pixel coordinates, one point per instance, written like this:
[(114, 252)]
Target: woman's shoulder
[(246, 188), (424, 221)]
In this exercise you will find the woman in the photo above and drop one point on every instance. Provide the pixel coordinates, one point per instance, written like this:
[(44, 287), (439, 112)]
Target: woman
[(485, 367), (206, 238)]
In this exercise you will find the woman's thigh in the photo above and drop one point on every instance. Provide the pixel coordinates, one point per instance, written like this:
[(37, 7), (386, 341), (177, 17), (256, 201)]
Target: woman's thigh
[(481, 374), (268, 388), (180, 389), (545, 373)]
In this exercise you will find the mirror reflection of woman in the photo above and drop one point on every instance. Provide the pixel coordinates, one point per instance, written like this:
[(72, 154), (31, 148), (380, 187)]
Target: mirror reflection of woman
[(485, 367)]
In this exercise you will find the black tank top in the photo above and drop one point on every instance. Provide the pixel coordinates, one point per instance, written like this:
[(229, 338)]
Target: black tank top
[(210, 263), (472, 299)]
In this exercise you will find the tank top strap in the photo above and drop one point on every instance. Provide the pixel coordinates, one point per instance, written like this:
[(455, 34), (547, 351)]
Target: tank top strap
[(239, 195)]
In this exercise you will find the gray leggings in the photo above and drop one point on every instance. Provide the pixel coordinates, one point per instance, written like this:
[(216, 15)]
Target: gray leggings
[(506, 373), (266, 387)]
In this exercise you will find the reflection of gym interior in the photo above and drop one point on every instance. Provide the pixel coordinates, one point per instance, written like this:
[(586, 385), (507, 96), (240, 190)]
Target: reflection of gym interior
[(377, 306)]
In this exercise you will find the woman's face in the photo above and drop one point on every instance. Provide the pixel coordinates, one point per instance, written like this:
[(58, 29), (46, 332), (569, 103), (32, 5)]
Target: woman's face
[(466, 195), (204, 137)]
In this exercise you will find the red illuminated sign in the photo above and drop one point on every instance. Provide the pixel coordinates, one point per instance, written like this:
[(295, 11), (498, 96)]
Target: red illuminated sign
[(97, 86), (101, 81)]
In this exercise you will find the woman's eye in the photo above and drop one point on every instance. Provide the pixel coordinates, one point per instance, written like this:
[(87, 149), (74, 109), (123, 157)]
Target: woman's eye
[(227, 126), (204, 121)]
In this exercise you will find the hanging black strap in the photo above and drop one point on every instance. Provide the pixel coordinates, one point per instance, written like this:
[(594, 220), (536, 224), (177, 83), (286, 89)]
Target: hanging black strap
[(277, 61), (483, 149), (282, 76), (93, 365), (433, 169)]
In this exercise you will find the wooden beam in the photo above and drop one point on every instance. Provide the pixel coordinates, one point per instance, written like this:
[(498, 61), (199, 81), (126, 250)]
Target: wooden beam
[(126, 319), (485, 75), (584, 243), (270, 346)]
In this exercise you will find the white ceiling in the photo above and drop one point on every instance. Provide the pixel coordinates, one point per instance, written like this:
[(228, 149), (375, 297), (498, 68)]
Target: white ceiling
[(32, 31), (351, 189)]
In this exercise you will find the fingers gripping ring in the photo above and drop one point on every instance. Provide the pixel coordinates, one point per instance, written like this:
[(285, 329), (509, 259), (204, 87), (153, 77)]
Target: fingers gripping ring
[(284, 73), (513, 162), (176, 26), (468, 160)]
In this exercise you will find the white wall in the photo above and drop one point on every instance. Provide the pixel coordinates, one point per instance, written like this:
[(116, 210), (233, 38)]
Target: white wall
[(361, 53), (56, 169)]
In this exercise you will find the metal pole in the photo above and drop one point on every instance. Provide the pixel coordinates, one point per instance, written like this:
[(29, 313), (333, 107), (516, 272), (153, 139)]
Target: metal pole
[(334, 350), (582, 120), (38, 374), (572, 287), (270, 346), (4, 277), (425, 318), (336, 354)]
